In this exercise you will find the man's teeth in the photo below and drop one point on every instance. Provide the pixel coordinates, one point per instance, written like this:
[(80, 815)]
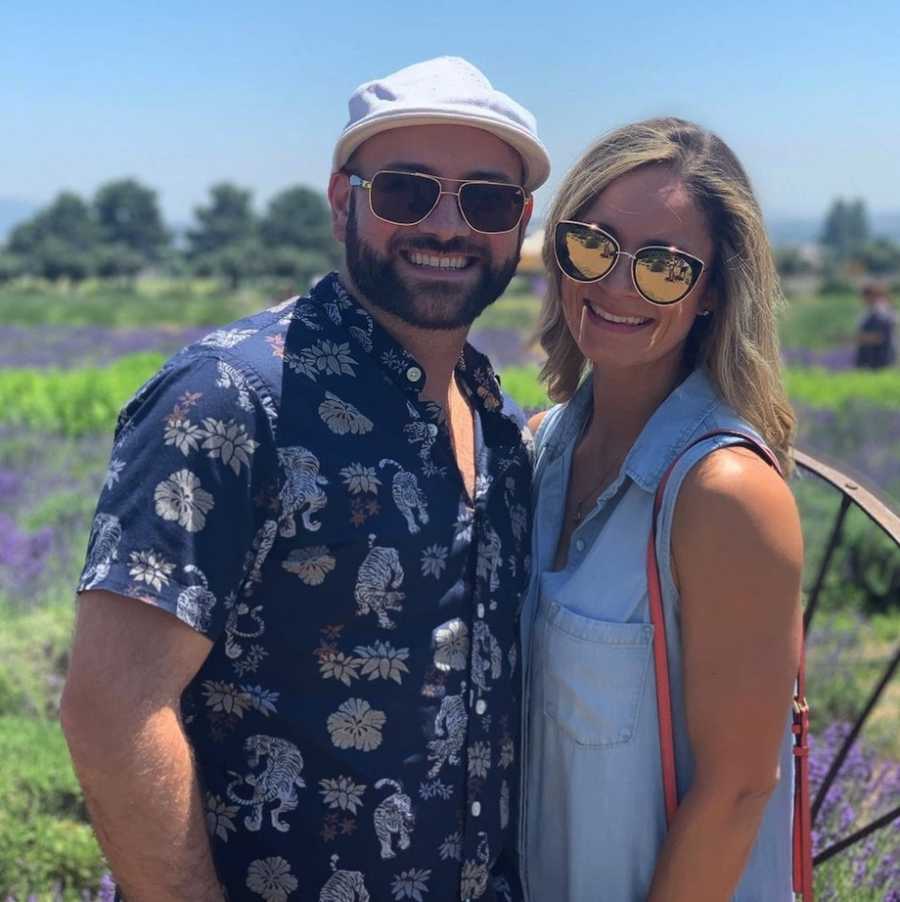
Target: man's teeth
[(612, 318), (440, 262)]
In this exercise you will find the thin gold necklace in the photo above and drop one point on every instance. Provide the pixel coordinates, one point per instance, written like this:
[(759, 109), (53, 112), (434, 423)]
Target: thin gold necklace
[(597, 487), (581, 507)]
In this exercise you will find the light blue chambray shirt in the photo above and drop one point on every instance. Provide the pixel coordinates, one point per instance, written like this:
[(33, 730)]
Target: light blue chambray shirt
[(593, 815)]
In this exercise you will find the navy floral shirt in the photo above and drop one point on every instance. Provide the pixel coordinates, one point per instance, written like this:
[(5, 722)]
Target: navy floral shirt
[(281, 487)]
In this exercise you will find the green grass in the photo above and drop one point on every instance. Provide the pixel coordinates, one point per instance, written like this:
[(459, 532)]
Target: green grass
[(150, 302), (73, 402), (45, 841), (833, 390), (818, 322)]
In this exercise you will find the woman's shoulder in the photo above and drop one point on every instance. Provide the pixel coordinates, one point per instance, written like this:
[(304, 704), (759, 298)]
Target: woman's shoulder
[(735, 502), (542, 423)]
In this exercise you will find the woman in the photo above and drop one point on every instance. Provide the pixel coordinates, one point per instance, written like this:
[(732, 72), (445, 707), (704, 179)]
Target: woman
[(662, 296)]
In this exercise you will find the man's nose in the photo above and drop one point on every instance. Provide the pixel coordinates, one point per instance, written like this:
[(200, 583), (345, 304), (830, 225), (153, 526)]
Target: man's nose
[(445, 221)]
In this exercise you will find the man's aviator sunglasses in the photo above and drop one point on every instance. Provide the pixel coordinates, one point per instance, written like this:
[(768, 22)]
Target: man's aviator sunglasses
[(406, 198), (661, 275)]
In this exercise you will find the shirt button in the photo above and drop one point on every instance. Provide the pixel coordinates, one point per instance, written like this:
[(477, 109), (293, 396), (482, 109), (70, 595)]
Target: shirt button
[(414, 374), (579, 545), (480, 706), (480, 610), (476, 809)]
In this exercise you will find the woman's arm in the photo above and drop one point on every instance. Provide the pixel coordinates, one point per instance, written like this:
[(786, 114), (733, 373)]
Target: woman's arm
[(737, 553)]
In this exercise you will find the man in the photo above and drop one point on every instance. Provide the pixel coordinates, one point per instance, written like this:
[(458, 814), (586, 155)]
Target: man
[(875, 340), (332, 500)]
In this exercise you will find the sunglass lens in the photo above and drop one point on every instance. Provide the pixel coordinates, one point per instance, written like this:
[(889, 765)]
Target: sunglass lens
[(665, 276), (492, 208), (584, 254), (402, 197)]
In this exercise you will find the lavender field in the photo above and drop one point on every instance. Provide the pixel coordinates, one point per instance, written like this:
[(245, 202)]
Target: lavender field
[(55, 437)]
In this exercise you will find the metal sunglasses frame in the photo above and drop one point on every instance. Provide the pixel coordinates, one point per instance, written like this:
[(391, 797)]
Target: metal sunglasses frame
[(359, 182), (620, 253)]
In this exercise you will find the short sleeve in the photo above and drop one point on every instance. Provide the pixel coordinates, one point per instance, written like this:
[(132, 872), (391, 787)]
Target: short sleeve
[(191, 479)]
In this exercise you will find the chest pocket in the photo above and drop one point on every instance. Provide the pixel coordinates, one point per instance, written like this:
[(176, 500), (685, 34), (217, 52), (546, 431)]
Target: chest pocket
[(593, 674)]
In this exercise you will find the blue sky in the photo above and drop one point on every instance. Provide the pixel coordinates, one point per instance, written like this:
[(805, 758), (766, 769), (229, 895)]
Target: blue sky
[(181, 95)]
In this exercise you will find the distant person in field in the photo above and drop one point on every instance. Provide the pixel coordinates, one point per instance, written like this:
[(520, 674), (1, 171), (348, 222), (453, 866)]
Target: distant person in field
[(295, 672), (660, 332), (875, 340)]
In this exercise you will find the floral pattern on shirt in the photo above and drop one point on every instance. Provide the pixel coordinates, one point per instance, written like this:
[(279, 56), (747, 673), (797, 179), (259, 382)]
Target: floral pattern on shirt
[(282, 487)]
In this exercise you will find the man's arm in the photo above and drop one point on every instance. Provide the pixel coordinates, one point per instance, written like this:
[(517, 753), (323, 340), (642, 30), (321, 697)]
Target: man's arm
[(120, 714)]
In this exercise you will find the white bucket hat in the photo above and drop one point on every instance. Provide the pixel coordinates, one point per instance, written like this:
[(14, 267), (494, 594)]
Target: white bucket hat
[(442, 91)]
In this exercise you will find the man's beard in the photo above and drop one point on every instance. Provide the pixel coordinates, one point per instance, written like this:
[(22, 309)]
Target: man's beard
[(429, 306)]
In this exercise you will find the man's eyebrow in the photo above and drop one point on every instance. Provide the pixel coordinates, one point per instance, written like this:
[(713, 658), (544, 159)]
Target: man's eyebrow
[(403, 166), (488, 175)]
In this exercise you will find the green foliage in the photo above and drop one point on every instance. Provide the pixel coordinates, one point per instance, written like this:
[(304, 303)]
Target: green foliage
[(521, 383), (44, 840), (790, 261), (34, 653), (116, 261), (128, 217), (515, 310), (834, 283), (11, 267), (817, 322), (147, 303), (846, 227), (827, 390), (297, 266), (73, 402), (68, 219), (822, 389), (298, 218), (880, 257), (232, 263), (227, 219)]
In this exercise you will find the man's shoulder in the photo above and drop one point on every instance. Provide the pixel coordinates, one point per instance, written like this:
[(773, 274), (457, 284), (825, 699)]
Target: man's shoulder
[(248, 351)]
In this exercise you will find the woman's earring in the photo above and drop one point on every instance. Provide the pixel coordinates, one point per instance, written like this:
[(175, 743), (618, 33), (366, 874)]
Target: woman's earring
[(704, 313)]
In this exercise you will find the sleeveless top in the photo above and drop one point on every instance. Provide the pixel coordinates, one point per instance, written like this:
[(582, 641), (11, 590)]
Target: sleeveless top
[(592, 810)]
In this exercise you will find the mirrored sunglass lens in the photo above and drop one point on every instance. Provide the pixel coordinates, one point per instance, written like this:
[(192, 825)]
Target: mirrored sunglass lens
[(664, 276), (492, 208), (402, 197), (584, 253)]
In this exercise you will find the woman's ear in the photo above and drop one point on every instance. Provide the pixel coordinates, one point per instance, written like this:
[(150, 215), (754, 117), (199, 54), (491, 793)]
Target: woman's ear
[(339, 200)]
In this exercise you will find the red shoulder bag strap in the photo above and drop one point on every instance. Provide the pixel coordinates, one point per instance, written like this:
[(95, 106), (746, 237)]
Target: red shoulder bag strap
[(802, 838)]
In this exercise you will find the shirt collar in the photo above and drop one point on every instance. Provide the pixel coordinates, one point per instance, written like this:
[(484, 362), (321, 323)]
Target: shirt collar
[(401, 367), (664, 435)]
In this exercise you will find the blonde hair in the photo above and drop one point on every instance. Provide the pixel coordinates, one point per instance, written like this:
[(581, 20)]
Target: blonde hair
[(738, 344)]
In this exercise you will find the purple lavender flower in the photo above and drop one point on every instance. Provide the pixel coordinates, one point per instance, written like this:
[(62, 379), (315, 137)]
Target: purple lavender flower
[(75, 346), (23, 556), (107, 891)]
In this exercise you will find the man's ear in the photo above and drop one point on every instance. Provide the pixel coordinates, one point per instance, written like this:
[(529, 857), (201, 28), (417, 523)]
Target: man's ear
[(339, 199)]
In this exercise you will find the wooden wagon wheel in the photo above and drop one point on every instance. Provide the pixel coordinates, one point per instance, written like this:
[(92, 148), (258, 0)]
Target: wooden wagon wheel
[(852, 495)]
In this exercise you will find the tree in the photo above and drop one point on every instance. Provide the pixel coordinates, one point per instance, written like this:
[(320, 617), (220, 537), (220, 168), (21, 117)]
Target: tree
[(68, 220), (298, 218), (880, 257), (846, 227), (128, 216), (11, 267), (117, 261), (55, 259), (227, 219), (298, 267), (790, 261), (58, 241)]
